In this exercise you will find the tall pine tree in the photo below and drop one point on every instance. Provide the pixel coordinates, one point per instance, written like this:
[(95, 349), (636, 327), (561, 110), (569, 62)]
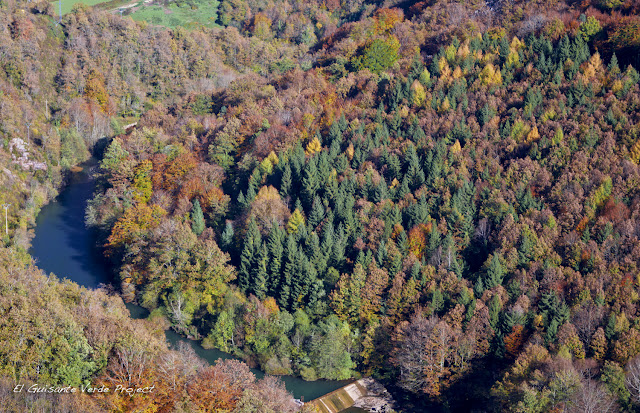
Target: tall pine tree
[(226, 238), (289, 272), (495, 272), (252, 242), (197, 218), (276, 251), (259, 273)]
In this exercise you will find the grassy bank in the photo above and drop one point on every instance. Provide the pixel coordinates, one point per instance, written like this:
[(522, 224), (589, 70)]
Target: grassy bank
[(67, 5), (182, 13)]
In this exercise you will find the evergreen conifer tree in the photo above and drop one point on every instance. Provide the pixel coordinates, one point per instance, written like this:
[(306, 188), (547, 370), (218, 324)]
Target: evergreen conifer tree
[(251, 195), (404, 188), (276, 251), (259, 274), (525, 249), (416, 68), (242, 200), (310, 182), (504, 49), (610, 329), (478, 287), (286, 181), (335, 134), (317, 213), (226, 238), (328, 235), (437, 301), (495, 272), (301, 282), (613, 67), (197, 218), (338, 252), (252, 242), (289, 272)]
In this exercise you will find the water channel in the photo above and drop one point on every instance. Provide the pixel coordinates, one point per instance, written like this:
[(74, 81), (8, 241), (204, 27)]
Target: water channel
[(64, 246)]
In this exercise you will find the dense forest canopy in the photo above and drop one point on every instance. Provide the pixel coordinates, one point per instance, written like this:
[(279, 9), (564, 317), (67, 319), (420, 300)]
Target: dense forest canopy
[(430, 194)]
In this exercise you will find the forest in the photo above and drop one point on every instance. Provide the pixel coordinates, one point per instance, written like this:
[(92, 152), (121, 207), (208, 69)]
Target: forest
[(443, 196)]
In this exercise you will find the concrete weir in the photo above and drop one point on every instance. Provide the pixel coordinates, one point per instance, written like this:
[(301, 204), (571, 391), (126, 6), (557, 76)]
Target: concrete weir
[(365, 393)]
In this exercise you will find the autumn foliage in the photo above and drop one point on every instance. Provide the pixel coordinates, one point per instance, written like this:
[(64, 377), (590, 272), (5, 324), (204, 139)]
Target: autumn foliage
[(327, 189)]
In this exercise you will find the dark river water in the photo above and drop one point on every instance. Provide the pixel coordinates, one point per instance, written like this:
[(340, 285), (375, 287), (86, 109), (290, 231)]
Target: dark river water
[(64, 246)]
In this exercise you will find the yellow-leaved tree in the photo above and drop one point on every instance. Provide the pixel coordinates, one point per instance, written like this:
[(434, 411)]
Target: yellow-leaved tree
[(134, 223), (295, 221)]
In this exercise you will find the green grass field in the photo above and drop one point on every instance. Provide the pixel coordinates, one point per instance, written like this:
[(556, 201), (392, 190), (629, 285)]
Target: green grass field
[(185, 14), (68, 4)]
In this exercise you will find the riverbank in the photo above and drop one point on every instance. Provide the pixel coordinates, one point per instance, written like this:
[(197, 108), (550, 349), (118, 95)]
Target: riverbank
[(64, 246)]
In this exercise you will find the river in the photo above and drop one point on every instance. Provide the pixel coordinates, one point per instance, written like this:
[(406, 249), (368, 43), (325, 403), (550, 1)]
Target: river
[(64, 246)]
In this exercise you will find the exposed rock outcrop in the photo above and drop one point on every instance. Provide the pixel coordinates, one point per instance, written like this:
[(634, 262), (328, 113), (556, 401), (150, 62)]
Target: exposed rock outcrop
[(18, 147)]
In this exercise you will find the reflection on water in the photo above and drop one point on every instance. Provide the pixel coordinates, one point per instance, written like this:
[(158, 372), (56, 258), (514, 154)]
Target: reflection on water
[(64, 246), (304, 390)]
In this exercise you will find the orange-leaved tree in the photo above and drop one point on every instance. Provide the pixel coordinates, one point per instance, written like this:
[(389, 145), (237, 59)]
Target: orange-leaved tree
[(135, 222)]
